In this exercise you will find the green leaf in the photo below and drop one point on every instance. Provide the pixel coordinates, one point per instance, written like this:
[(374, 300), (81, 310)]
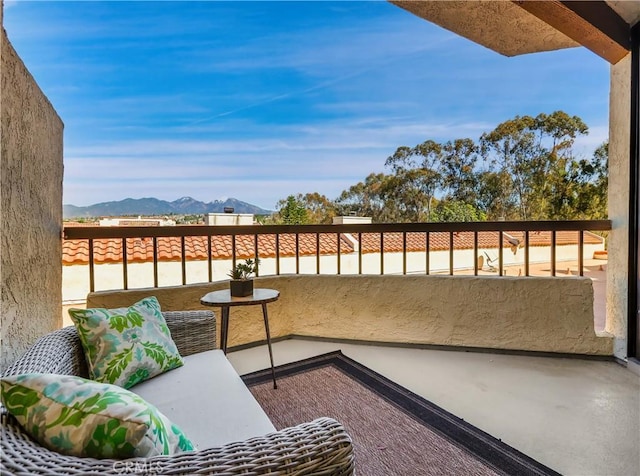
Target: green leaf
[(135, 318), (75, 414), (131, 319), (18, 399), (173, 362), (69, 416), (138, 376), (117, 365), (118, 322), (184, 443), (158, 429), (62, 442), (109, 441), (156, 352)]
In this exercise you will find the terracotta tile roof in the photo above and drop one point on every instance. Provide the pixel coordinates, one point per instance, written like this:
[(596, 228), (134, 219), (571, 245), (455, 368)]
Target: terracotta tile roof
[(140, 250), (439, 241), (543, 238)]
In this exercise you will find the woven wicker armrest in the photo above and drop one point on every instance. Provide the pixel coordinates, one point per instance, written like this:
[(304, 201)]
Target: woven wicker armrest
[(59, 352), (192, 331), (320, 447)]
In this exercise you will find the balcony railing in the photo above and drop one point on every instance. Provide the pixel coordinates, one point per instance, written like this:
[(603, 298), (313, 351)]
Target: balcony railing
[(356, 240)]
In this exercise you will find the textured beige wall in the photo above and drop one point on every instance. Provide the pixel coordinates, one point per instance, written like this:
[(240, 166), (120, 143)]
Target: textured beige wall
[(619, 141), (30, 209), (539, 314)]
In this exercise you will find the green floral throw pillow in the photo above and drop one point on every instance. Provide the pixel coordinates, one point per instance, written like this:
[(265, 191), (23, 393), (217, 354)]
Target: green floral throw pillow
[(128, 345), (79, 417)]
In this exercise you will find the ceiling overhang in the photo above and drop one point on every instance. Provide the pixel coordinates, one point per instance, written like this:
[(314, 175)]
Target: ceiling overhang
[(515, 27)]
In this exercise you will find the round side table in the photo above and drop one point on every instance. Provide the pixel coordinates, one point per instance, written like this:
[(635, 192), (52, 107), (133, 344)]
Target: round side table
[(225, 302)]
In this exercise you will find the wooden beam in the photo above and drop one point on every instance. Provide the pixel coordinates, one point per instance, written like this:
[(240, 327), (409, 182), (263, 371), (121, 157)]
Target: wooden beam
[(604, 18), (593, 24)]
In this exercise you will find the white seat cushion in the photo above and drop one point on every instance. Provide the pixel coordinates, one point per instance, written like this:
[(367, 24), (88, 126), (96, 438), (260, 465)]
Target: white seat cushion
[(208, 400)]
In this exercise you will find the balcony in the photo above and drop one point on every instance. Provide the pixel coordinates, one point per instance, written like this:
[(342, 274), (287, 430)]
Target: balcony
[(497, 370), (375, 306)]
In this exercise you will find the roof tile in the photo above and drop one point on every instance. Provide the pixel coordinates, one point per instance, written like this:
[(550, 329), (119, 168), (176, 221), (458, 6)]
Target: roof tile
[(140, 250)]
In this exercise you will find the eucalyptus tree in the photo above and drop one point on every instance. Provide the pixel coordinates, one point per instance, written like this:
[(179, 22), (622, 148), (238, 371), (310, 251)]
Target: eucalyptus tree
[(557, 176), (593, 182), (510, 151), (533, 156), (418, 171), (366, 199), (524, 169), (459, 170)]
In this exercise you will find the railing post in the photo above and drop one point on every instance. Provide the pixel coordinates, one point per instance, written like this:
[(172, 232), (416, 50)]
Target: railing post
[(475, 253), (233, 251), (553, 253), (404, 252), (92, 274), (500, 250), (183, 259), (297, 253), (125, 273), (210, 258), (317, 253), (256, 254), (155, 261), (581, 252), (427, 247), (277, 254), (338, 250), (359, 253), (450, 253), (526, 253), (381, 253)]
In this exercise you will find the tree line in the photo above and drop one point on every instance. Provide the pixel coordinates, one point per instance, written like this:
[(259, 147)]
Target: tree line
[(524, 169)]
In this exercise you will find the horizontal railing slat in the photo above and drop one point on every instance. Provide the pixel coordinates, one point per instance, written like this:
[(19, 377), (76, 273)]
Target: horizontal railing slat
[(97, 232)]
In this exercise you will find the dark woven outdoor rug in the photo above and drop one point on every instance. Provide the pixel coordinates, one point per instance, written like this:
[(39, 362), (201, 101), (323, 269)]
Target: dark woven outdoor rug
[(394, 431)]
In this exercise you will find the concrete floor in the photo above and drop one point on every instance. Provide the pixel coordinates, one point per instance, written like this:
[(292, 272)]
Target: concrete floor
[(579, 417)]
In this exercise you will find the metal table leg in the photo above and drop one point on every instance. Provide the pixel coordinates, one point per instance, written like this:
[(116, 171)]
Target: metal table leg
[(224, 328), (266, 326)]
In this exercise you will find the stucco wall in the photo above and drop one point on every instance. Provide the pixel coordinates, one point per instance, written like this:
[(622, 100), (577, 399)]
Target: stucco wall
[(30, 209), (535, 313), (619, 141)]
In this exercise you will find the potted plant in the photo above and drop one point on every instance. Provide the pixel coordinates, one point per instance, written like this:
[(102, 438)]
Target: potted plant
[(241, 283)]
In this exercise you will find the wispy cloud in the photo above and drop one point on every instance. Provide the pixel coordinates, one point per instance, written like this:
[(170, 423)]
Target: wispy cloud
[(262, 99)]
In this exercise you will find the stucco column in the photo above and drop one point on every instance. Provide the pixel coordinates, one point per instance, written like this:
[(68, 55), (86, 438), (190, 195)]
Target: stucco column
[(619, 143), (30, 209)]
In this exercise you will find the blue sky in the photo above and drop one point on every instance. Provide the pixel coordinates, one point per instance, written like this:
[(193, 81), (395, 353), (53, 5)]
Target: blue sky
[(259, 100)]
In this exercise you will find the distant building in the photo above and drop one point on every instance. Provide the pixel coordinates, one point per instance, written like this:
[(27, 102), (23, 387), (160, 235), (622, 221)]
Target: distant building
[(128, 221), (227, 219), (351, 220)]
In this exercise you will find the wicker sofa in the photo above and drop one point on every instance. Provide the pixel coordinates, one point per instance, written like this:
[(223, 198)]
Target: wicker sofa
[(320, 447)]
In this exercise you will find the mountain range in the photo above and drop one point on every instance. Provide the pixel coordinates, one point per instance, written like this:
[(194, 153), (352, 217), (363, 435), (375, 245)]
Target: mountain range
[(154, 207)]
